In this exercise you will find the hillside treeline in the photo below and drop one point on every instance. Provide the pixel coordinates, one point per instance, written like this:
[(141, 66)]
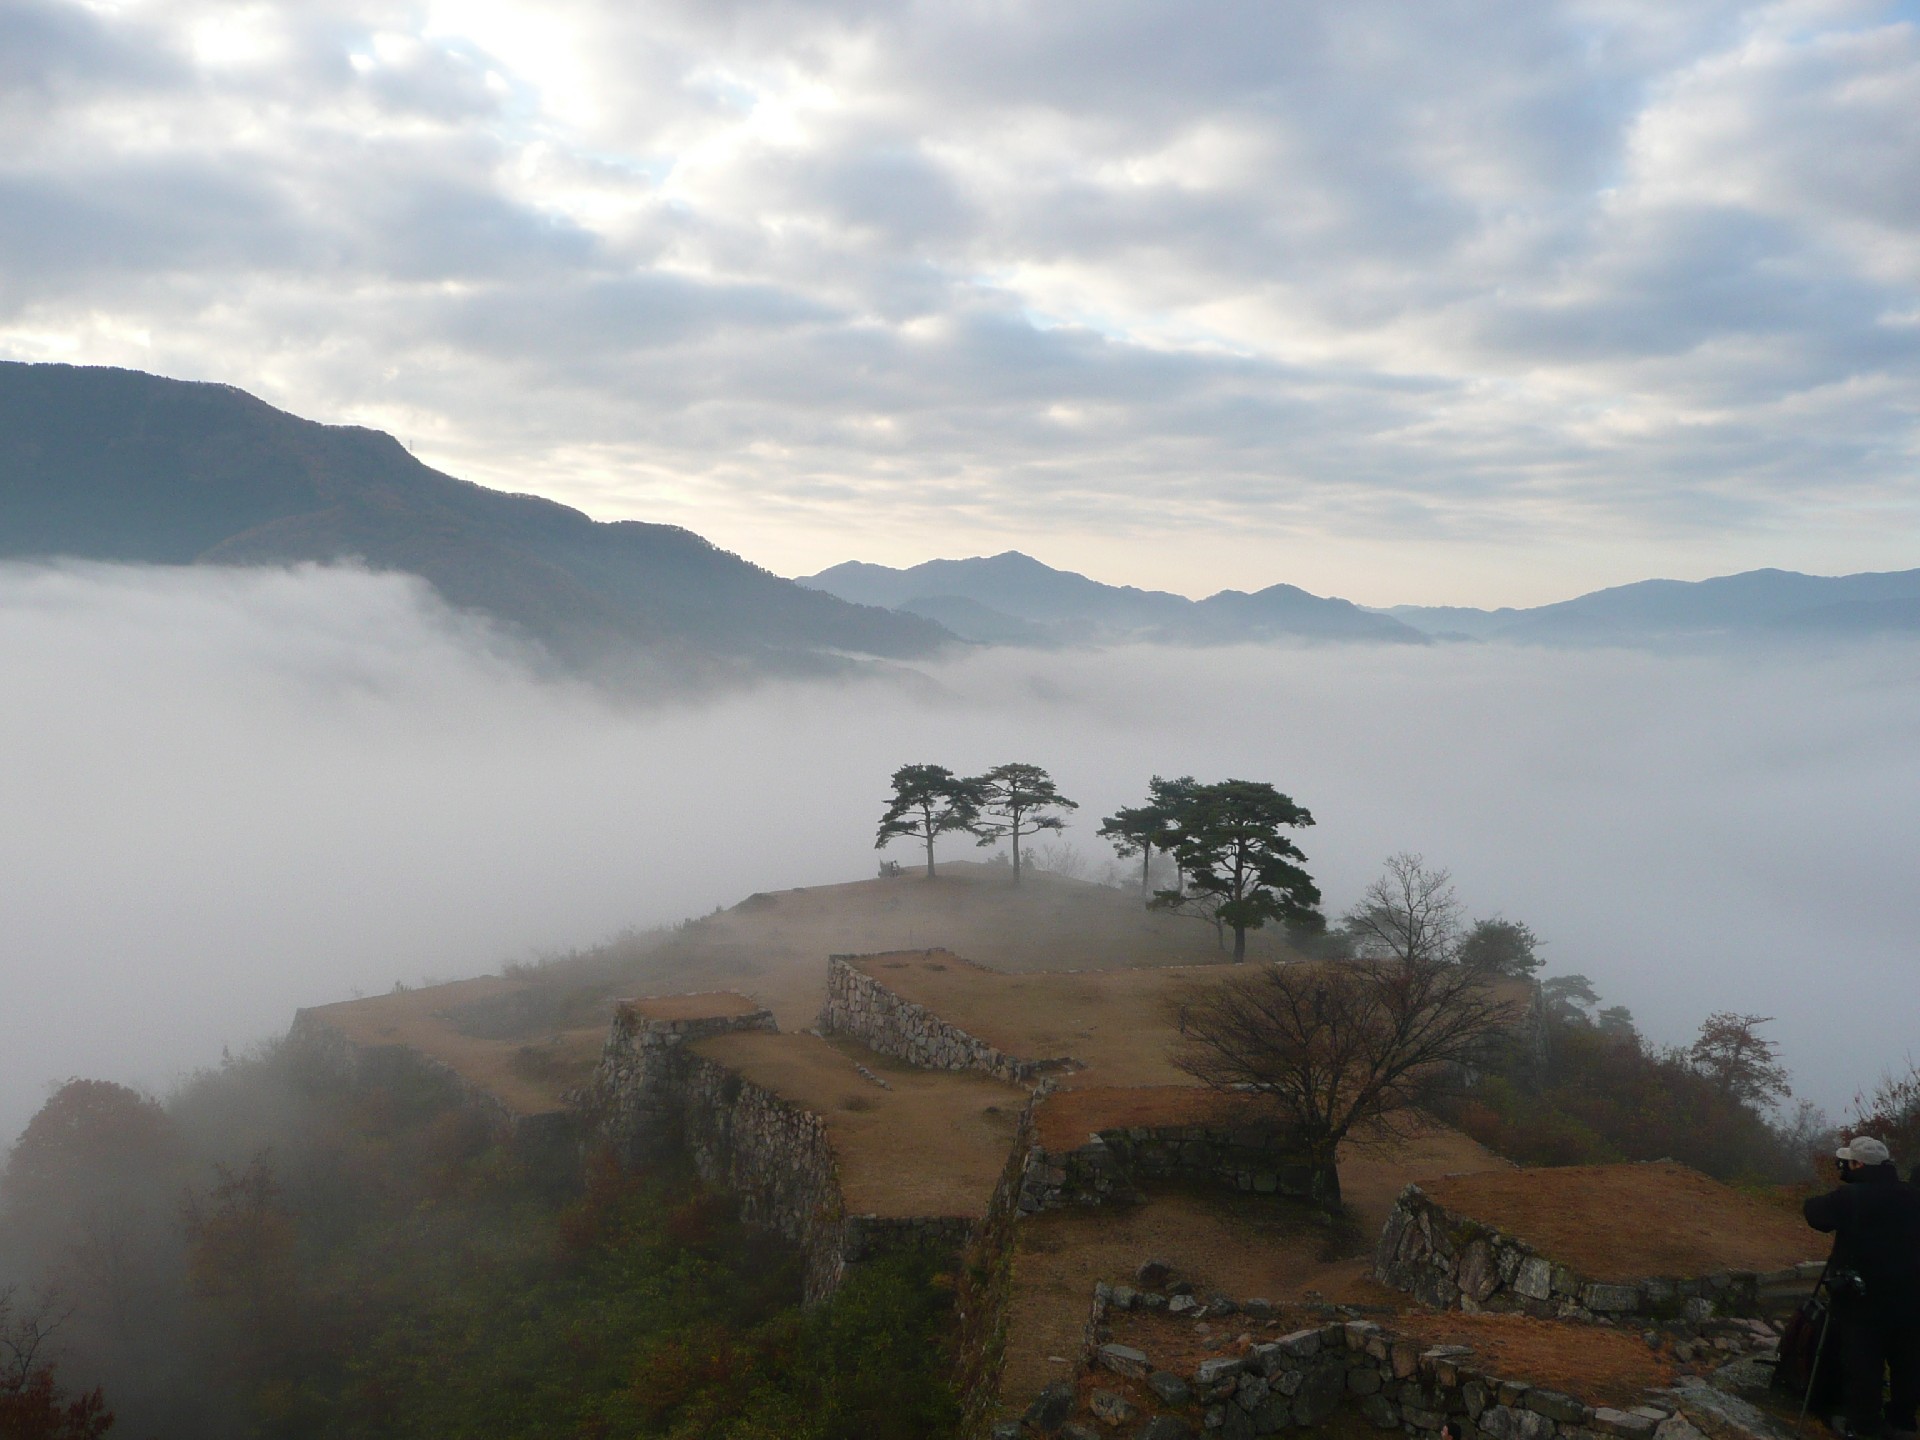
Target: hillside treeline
[(1602, 1092), (270, 1255)]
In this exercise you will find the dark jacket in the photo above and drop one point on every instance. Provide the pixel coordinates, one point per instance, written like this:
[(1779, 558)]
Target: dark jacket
[(1875, 1224)]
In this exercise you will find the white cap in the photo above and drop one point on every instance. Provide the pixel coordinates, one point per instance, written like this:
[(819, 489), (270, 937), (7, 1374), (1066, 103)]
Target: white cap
[(1866, 1150)]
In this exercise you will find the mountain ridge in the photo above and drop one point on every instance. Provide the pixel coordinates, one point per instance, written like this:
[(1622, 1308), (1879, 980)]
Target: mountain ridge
[(1015, 590), (1017, 597), (108, 464), (1751, 603)]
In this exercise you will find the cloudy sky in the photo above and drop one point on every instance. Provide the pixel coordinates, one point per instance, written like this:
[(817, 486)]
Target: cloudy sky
[(1480, 303)]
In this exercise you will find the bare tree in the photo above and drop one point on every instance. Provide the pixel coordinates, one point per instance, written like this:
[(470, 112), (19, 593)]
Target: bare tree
[(32, 1407), (1063, 859), (1344, 1047), (1892, 1112), (25, 1333), (1409, 913)]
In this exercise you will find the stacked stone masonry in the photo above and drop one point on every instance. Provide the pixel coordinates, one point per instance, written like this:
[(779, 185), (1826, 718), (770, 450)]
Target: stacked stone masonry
[(1451, 1261), (653, 1095), (1300, 1380), (775, 1157), (634, 1097), (860, 1006), (1115, 1163), (986, 1289)]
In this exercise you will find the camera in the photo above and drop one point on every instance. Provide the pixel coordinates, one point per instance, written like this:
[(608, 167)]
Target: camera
[(1847, 1285)]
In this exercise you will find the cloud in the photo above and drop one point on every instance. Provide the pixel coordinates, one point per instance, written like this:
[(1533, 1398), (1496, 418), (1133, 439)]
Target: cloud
[(240, 792), (1315, 293)]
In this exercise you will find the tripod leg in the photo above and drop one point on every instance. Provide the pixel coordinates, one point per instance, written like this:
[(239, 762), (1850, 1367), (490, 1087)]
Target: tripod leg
[(1819, 1351)]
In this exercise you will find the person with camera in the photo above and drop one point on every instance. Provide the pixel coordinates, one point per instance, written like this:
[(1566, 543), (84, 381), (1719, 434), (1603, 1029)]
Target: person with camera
[(1873, 1279)]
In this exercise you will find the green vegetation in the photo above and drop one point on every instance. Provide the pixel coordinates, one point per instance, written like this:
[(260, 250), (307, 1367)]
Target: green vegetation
[(1143, 829), (1237, 865), (1010, 801), (1018, 800), (1500, 946), (928, 801), (372, 1264)]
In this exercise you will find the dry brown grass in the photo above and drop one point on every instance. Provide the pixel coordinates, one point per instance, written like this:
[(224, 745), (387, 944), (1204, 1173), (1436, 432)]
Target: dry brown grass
[(1119, 1024), (419, 1019), (710, 1004), (772, 949), (1599, 1365), (933, 1144), (774, 946), (1624, 1222)]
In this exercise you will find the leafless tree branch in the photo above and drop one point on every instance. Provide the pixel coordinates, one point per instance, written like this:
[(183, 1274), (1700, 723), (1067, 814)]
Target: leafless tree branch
[(1346, 1051)]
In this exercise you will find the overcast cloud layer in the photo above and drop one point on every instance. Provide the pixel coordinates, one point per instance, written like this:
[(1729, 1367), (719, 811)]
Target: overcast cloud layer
[(1483, 302), (234, 793)]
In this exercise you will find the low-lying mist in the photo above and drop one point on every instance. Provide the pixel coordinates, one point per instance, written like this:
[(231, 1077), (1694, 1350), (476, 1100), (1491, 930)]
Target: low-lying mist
[(231, 793)]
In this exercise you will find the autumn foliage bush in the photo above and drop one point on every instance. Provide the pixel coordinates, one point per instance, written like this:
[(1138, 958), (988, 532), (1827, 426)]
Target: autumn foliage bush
[(1891, 1112), (1607, 1095)]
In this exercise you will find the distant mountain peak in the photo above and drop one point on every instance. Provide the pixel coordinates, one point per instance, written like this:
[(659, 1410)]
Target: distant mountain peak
[(1070, 608), (1752, 605)]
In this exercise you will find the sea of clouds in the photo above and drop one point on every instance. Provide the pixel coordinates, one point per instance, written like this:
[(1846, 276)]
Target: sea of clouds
[(227, 794)]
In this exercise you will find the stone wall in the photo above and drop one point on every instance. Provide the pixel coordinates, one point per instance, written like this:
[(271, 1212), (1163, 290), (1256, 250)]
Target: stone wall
[(772, 1155), (985, 1290), (860, 1006), (653, 1095), (775, 1157), (1115, 1163), (1300, 1380), (634, 1100), (1453, 1262)]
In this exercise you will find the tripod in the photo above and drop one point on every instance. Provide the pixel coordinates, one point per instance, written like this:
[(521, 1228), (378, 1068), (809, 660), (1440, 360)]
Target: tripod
[(1820, 1349)]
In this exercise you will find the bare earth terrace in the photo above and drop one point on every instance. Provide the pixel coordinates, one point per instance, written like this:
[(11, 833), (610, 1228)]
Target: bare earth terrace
[(705, 1005), (1622, 1222), (773, 945), (934, 1143), (530, 1076), (1118, 1025)]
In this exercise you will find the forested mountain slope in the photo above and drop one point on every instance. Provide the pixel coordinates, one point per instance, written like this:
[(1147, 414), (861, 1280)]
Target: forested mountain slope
[(116, 465)]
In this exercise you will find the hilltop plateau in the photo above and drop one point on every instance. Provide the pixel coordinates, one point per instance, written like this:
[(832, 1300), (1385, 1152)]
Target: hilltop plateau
[(932, 1150), (773, 944), (962, 1063)]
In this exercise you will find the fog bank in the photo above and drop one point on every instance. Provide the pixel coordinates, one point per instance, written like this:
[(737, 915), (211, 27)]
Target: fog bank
[(231, 793)]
